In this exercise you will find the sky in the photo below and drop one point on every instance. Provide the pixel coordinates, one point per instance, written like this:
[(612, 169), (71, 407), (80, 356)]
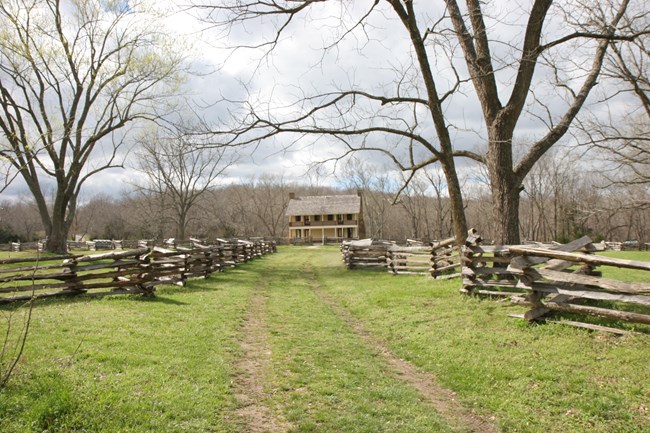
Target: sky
[(375, 58)]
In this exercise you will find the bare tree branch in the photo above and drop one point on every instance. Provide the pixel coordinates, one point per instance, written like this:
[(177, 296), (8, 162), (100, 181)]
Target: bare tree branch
[(71, 81)]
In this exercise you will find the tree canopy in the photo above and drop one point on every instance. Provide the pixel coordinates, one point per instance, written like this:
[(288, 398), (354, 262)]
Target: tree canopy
[(527, 68), (74, 76)]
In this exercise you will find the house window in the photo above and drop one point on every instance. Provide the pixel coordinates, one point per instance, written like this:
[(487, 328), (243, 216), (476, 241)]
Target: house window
[(349, 216), (330, 217), (316, 217), (298, 218)]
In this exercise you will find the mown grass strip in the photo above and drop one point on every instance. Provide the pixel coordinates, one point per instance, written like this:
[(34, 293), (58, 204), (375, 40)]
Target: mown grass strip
[(253, 370), (126, 364), (531, 378), (442, 399), (327, 379)]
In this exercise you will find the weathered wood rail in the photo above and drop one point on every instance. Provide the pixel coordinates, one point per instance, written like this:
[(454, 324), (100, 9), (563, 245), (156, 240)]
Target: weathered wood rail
[(409, 260), (557, 278), (365, 254), (125, 272), (485, 268), (438, 259), (445, 259)]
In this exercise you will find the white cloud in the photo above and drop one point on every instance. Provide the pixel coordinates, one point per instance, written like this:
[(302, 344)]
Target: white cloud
[(372, 58)]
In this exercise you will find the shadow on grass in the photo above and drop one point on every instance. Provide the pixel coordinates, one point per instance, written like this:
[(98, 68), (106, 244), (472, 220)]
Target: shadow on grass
[(158, 300), (76, 299)]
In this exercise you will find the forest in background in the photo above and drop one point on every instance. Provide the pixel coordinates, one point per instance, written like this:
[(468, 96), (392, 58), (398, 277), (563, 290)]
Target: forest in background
[(559, 203)]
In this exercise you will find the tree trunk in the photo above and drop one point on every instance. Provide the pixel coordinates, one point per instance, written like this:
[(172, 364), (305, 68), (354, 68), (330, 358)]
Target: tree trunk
[(456, 200), (505, 188), (506, 214), (57, 240), (57, 236), (182, 223)]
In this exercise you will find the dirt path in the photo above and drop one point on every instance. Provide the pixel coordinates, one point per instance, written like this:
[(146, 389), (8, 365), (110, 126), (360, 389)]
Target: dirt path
[(442, 399), (253, 415)]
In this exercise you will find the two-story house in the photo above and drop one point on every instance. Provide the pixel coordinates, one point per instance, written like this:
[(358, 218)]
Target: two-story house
[(325, 218)]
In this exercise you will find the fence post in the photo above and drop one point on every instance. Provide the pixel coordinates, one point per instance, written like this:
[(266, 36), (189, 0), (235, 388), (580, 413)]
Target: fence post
[(434, 270), (467, 261), (74, 286), (146, 275)]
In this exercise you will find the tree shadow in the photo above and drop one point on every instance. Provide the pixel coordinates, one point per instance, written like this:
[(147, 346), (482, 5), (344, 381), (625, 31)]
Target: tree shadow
[(159, 300), (81, 298)]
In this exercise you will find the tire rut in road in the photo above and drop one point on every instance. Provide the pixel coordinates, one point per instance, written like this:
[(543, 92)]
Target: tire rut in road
[(442, 399), (253, 414)]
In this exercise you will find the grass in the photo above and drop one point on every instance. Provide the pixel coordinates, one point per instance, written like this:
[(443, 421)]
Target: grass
[(329, 381), (533, 379), (627, 274), (125, 364), (131, 365)]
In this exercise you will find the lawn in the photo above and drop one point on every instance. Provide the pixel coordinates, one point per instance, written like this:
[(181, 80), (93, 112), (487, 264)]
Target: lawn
[(174, 363), (627, 274)]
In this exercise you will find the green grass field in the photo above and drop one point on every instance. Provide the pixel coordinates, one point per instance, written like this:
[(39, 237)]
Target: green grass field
[(179, 362), (627, 274)]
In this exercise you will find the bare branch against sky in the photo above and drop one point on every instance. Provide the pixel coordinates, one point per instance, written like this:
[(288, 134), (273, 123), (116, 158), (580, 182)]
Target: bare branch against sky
[(73, 78), (427, 82)]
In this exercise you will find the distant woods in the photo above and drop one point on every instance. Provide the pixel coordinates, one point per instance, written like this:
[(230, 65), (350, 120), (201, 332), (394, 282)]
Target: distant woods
[(560, 202)]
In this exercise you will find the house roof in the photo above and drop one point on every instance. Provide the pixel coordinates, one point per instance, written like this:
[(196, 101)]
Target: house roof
[(324, 205)]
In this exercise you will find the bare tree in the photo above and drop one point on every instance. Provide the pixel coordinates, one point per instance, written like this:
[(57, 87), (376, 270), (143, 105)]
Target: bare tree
[(22, 216), (452, 50), (270, 197), (73, 77), (179, 170), (377, 186), (7, 175), (415, 203), (442, 212), (622, 137)]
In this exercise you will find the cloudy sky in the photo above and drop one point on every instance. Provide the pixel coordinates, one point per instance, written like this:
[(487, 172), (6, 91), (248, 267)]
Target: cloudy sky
[(326, 51)]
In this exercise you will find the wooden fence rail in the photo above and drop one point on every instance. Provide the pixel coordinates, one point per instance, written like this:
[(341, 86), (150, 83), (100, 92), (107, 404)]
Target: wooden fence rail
[(414, 260), (365, 254), (557, 278), (445, 259), (132, 271), (438, 259)]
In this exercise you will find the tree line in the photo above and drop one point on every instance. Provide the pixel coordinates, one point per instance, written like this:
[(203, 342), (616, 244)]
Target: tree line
[(559, 203)]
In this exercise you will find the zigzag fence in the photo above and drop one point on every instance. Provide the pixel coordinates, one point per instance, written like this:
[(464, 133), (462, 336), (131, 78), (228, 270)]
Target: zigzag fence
[(125, 272), (438, 259), (557, 278)]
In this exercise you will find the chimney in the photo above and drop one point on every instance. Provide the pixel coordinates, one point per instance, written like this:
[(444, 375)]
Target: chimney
[(292, 195)]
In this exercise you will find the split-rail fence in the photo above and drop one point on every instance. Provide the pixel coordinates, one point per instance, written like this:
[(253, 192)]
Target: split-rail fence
[(438, 259), (549, 278), (121, 272)]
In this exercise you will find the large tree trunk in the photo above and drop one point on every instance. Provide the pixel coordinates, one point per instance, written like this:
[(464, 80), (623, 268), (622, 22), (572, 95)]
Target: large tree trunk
[(182, 223), (57, 236), (456, 199), (505, 188), (63, 212), (57, 240), (506, 214)]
